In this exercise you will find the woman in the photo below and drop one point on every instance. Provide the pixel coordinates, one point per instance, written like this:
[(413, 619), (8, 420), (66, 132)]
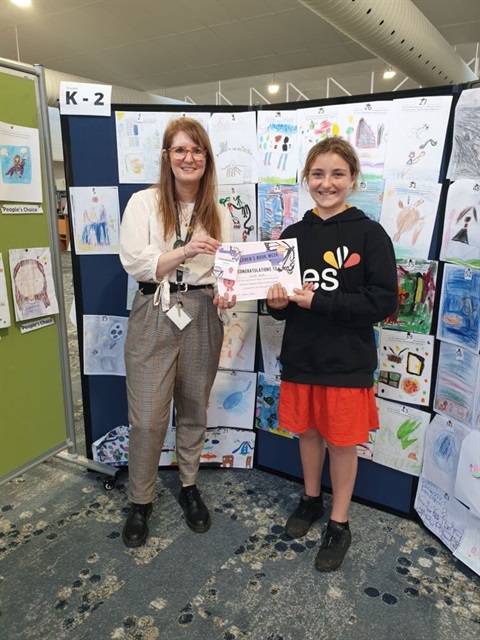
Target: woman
[(328, 353), (169, 236)]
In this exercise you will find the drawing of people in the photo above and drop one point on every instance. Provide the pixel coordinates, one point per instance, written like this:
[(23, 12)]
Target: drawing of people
[(102, 227), (17, 167), (462, 234), (413, 158), (31, 293)]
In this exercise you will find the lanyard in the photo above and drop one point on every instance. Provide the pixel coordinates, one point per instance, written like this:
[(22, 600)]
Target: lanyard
[(179, 242)]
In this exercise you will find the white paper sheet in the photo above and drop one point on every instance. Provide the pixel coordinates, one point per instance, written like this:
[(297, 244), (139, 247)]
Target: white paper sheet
[(96, 219), (20, 166), (233, 137), (277, 142), (104, 345), (32, 283)]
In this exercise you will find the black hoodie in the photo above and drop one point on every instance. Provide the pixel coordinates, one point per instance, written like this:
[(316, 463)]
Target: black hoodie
[(333, 342)]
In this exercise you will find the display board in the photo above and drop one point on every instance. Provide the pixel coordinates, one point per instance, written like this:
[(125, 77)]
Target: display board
[(35, 397), (92, 150)]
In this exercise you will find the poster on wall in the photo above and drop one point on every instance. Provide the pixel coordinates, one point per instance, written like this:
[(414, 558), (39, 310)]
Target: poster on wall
[(277, 209), (238, 347), (104, 345), (416, 138), (5, 320), (203, 117), (232, 400), (459, 314), (315, 124), (241, 204), (409, 210), (21, 171), (271, 336), (405, 366), (139, 144), (277, 142), (465, 159), (399, 441), (461, 229), (416, 296), (467, 481), (266, 411), (233, 137), (32, 283), (96, 219)]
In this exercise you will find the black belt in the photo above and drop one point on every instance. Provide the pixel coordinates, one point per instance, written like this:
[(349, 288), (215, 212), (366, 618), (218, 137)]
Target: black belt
[(149, 288)]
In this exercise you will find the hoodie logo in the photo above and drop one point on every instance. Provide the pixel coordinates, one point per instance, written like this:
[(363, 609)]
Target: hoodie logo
[(328, 281)]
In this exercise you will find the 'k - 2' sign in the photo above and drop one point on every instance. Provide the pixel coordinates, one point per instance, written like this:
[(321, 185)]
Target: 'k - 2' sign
[(85, 99)]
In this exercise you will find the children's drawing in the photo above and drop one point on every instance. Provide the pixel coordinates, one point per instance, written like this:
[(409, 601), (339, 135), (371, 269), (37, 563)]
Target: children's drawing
[(96, 219), (416, 139), (467, 481), (277, 209), (5, 320), (465, 158), (139, 145), (457, 383), (317, 123), (416, 296), (399, 441), (405, 366), (468, 551), (277, 141), (271, 335), (203, 117), (32, 283), (232, 400), (459, 315), (104, 345), (266, 412), (234, 140), (20, 167), (443, 441), (368, 197), (132, 288), (238, 348), (408, 215), (461, 230), (240, 202), (365, 449), (440, 513), (365, 126), (112, 448)]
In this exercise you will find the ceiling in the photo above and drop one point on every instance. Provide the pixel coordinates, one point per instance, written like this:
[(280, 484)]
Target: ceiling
[(198, 49)]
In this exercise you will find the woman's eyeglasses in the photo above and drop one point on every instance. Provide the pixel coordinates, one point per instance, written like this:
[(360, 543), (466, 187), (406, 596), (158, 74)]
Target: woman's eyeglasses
[(180, 153)]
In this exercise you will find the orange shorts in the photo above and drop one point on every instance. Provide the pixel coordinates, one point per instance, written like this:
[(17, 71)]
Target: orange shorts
[(343, 416)]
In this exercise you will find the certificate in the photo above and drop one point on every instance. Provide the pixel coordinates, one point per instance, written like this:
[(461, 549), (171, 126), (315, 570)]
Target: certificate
[(249, 269)]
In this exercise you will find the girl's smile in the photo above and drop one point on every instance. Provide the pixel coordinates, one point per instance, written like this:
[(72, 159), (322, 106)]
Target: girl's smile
[(329, 182)]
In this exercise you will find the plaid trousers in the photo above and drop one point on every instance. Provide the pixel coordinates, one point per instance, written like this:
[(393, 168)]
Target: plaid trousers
[(162, 362)]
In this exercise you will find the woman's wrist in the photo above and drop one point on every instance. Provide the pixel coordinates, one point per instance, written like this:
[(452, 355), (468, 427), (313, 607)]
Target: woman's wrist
[(185, 252)]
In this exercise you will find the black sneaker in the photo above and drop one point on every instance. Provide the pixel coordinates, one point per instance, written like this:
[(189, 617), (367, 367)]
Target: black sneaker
[(308, 511), (196, 513), (135, 531), (333, 548)]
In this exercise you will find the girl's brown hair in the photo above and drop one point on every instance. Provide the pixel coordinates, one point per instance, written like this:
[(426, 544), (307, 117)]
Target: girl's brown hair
[(334, 145), (206, 209)]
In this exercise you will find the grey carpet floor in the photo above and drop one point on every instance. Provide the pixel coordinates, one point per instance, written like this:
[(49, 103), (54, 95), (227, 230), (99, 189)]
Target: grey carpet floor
[(65, 573)]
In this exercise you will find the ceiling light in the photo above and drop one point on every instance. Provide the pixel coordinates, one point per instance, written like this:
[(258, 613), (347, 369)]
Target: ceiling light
[(22, 3), (273, 87), (389, 73)]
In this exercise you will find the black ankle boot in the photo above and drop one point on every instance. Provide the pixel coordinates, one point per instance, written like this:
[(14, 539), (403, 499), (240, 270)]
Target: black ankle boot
[(195, 510), (135, 531)]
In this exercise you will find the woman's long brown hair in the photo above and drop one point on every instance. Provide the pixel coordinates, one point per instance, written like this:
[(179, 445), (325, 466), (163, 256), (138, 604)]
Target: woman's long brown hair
[(206, 209)]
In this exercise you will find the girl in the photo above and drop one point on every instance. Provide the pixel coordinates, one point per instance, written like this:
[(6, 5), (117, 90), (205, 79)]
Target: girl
[(328, 352), (169, 236)]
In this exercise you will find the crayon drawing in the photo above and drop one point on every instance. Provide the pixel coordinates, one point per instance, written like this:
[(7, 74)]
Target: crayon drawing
[(467, 481), (96, 219), (5, 320), (20, 167), (315, 124), (277, 209), (408, 216), (405, 362), (399, 441), (139, 144), (271, 335), (461, 230), (368, 197), (32, 283), (468, 551), (416, 296), (277, 141), (233, 137), (440, 513), (112, 448), (232, 400), (443, 441), (266, 412), (104, 345), (465, 158), (416, 138), (238, 347), (459, 315), (456, 388), (240, 202)]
